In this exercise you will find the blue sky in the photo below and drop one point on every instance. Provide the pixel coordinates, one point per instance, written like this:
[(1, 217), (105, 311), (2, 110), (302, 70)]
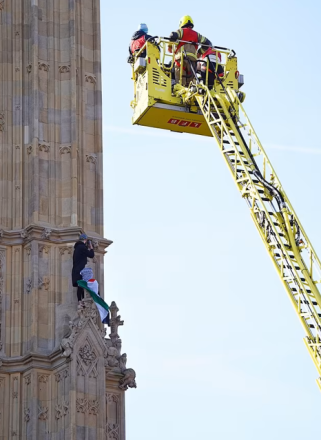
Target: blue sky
[(209, 329)]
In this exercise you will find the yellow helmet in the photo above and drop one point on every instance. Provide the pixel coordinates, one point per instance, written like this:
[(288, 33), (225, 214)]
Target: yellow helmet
[(186, 19)]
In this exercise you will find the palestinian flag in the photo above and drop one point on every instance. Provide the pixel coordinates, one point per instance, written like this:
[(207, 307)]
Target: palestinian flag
[(92, 287)]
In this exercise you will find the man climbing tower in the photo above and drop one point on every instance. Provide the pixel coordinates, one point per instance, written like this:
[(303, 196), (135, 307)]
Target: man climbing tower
[(83, 249)]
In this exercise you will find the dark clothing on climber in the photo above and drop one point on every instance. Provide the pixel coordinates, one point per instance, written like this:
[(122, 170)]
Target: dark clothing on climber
[(138, 40), (81, 253)]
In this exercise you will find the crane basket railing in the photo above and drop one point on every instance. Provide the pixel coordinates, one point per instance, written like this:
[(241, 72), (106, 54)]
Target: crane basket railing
[(167, 53)]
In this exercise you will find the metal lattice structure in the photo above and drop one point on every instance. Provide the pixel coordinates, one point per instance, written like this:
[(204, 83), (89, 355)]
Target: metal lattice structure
[(284, 238), (219, 113)]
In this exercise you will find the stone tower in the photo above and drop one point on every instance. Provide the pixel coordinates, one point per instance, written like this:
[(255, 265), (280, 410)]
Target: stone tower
[(60, 377)]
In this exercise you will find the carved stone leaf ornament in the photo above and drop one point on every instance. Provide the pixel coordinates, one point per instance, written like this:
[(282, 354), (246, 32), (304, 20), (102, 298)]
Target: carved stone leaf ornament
[(65, 149), (43, 412), (43, 248), (112, 398), (93, 407), (64, 68), (27, 414), (87, 354), (113, 431), (43, 378), (91, 158), (81, 405), (90, 79), (28, 286), (44, 147), (64, 249), (44, 283), (43, 66), (62, 409), (62, 375)]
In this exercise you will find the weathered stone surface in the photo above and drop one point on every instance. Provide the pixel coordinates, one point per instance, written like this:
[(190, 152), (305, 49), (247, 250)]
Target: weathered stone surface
[(59, 374)]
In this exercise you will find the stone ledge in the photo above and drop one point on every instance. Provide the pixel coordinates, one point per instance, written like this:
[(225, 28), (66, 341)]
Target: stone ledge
[(21, 364), (48, 235)]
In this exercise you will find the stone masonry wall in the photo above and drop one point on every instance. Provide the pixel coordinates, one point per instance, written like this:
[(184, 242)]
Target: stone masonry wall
[(59, 375)]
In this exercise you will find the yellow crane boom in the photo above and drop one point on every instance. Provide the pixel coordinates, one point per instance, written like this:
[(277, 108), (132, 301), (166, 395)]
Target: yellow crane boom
[(219, 113)]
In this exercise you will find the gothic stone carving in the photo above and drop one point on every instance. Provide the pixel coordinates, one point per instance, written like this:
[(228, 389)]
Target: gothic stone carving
[(62, 409), (89, 310), (24, 234), (46, 234), (61, 375), (115, 322), (27, 415), (90, 79), (81, 405), (43, 378), (87, 358), (91, 158), (64, 68), (85, 405), (93, 407), (44, 147), (112, 431), (28, 286), (43, 66), (112, 357), (43, 248), (95, 243), (128, 381), (44, 283), (65, 149), (43, 412), (64, 249), (87, 354)]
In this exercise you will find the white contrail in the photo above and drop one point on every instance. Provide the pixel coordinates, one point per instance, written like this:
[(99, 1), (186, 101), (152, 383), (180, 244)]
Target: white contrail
[(141, 131)]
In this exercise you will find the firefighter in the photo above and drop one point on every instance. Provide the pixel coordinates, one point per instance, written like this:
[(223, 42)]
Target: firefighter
[(138, 40), (190, 43), (207, 56)]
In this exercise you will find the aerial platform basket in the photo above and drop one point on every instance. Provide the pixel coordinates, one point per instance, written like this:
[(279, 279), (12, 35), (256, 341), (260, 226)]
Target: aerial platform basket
[(155, 102)]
